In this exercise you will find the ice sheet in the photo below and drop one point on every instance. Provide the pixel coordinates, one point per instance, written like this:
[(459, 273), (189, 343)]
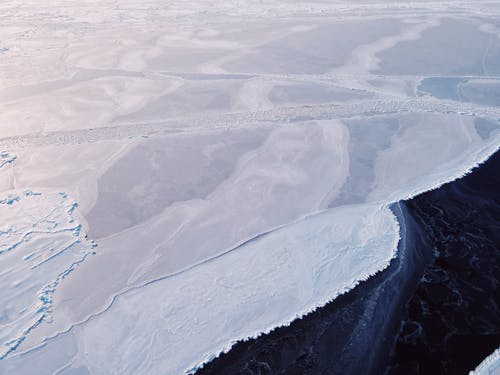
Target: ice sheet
[(234, 160)]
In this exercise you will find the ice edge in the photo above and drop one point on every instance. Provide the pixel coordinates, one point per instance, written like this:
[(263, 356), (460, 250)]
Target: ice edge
[(483, 155)]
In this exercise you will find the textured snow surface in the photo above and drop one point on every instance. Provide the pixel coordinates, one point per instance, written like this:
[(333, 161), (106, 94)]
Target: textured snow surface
[(234, 299), (6, 158), (233, 161), (41, 244)]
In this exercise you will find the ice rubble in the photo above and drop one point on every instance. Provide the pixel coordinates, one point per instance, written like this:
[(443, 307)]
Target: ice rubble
[(40, 244), (6, 158)]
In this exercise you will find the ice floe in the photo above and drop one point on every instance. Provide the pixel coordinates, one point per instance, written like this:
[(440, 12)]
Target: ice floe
[(235, 162), (40, 244)]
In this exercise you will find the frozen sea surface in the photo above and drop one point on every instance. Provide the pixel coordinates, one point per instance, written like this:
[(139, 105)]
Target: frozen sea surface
[(234, 163)]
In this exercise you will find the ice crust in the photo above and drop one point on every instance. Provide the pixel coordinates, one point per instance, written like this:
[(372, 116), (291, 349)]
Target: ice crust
[(236, 164)]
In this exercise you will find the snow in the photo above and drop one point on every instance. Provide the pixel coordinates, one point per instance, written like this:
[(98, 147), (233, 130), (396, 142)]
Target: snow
[(6, 158), (302, 272), (234, 161), (41, 243)]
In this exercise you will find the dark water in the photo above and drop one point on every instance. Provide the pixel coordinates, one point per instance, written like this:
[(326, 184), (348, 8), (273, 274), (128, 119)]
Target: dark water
[(434, 310), (453, 320)]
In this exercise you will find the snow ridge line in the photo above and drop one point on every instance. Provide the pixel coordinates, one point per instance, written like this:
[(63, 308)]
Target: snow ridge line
[(241, 120)]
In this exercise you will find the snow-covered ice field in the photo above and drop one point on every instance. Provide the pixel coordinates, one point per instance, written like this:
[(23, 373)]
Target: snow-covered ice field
[(179, 175)]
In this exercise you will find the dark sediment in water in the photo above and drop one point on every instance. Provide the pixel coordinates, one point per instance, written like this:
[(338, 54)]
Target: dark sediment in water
[(434, 310)]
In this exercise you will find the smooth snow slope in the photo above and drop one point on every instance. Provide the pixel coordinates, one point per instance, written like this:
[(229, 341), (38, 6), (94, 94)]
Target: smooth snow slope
[(234, 163)]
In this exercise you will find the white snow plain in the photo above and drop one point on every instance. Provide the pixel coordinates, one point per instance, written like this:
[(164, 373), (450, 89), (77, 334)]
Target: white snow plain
[(234, 162)]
